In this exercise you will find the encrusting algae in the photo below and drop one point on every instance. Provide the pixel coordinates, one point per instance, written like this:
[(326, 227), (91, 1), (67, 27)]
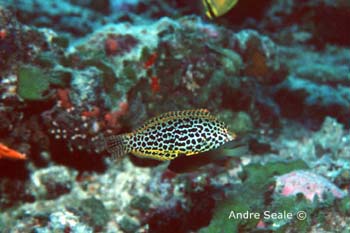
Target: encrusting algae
[(172, 134)]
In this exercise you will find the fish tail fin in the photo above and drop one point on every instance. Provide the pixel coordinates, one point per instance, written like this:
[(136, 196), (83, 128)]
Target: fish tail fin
[(116, 145)]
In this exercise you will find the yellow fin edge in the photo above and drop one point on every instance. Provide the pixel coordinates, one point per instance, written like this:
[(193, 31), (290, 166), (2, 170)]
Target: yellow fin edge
[(204, 113)]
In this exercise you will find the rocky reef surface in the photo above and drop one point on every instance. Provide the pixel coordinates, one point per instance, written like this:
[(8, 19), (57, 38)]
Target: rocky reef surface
[(276, 72)]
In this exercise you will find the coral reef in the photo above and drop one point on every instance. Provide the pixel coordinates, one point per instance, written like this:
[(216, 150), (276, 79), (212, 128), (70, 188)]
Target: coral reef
[(72, 73)]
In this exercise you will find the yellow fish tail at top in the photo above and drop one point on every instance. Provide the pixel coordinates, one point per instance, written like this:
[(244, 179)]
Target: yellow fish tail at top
[(217, 8)]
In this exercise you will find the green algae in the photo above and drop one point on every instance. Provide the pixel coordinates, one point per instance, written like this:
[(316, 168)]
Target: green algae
[(221, 222), (33, 83), (257, 175), (295, 205), (344, 206)]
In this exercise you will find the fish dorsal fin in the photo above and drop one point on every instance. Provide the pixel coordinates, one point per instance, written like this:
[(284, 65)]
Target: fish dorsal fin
[(195, 113)]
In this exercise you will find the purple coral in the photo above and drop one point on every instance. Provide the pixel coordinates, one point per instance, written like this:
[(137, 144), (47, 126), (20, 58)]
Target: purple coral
[(307, 183)]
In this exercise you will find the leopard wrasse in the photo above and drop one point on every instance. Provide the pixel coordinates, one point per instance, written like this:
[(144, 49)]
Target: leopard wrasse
[(171, 134)]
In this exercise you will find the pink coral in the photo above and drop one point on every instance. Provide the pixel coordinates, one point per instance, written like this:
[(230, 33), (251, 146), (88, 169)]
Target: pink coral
[(307, 183), (111, 45), (112, 118)]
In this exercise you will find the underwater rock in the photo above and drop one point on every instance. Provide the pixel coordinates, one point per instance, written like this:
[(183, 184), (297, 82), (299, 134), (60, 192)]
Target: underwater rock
[(134, 65), (81, 133), (18, 42), (317, 85), (8, 90), (172, 216), (309, 184), (302, 99), (120, 47), (328, 66), (9, 37), (13, 192), (190, 199), (102, 6), (141, 202), (239, 122), (50, 183), (331, 137), (260, 56), (195, 84), (60, 221), (128, 224), (84, 86), (119, 44), (65, 17), (326, 21), (198, 216), (326, 151), (94, 212), (78, 18)]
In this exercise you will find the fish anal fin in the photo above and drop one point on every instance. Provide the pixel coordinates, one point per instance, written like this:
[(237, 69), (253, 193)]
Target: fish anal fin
[(156, 154), (192, 153)]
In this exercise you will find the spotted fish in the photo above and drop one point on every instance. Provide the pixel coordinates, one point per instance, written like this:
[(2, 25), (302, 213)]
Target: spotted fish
[(172, 134)]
